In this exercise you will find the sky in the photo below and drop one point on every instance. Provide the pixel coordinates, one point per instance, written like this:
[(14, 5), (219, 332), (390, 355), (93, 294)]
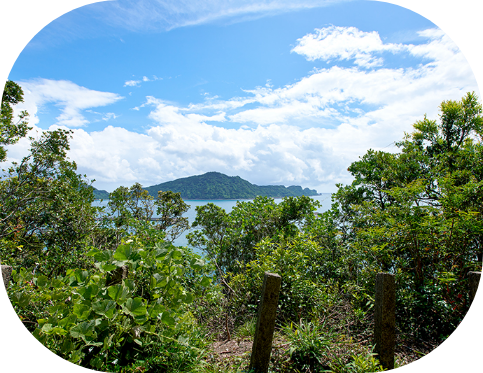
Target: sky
[(276, 92)]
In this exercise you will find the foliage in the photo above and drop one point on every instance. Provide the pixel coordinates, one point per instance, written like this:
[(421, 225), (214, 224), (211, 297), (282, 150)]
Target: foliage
[(418, 214), (310, 345), (230, 239), (214, 185), (11, 132), (302, 265), (131, 210), (361, 363), (46, 210), (98, 324), (247, 330)]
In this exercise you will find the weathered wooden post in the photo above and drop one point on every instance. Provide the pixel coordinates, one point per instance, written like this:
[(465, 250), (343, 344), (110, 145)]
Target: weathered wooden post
[(116, 276), (262, 344), (6, 274), (385, 319), (474, 280)]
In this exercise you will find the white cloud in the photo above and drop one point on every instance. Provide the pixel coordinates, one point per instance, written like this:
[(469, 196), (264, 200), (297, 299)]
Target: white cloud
[(71, 98), (345, 43), (306, 133), (132, 83)]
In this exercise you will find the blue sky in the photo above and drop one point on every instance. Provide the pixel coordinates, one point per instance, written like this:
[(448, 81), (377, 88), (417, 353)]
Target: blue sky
[(274, 92)]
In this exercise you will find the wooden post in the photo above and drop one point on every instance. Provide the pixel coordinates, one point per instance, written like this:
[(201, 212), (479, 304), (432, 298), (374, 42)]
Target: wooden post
[(474, 280), (262, 344), (6, 274), (385, 319), (116, 276)]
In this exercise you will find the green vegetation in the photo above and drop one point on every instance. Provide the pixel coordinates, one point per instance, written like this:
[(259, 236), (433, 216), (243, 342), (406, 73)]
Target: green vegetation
[(106, 289), (100, 194), (214, 185)]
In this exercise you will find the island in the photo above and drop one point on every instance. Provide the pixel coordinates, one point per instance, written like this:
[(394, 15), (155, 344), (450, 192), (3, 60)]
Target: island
[(215, 185)]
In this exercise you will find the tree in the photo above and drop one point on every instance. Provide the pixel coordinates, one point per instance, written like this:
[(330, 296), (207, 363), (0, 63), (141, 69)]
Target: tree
[(418, 214), (170, 209), (231, 238), (45, 208), (11, 132)]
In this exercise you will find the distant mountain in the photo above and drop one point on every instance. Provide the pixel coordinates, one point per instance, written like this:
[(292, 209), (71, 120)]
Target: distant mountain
[(215, 185), (100, 194)]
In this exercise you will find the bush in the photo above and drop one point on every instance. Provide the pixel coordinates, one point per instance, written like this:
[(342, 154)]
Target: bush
[(88, 320)]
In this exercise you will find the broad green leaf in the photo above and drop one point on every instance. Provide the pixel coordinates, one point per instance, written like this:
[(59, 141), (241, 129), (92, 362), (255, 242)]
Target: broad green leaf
[(129, 283), (81, 276), (88, 292), (197, 264), (104, 307), (161, 253), (67, 345), (83, 330), (107, 267), (68, 321), (126, 252), (56, 283), (21, 298), (167, 319), (189, 298), (205, 282), (46, 328), (155, 310), (42, 281), (82, 311), (141, 319), (134, 307), (118, 292)]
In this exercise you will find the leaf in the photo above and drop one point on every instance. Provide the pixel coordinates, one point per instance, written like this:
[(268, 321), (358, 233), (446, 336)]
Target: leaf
[(135, 307), (205, 281), (42, 281), (118, 292), (126, 252), (105, 307), (82, 311), (197, 264), (108, 267), (89, 291), (68, 321), (167, 319), (83, 330), (21, 298), (154, 311), (189, 298)]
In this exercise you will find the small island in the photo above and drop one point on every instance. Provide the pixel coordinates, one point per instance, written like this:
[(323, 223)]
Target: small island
[(215, 185)]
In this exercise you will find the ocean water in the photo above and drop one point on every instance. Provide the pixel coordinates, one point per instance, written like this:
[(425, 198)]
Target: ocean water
[(227, 205)]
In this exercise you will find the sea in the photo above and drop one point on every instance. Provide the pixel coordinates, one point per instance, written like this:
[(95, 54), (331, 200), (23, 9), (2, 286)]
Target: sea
[(227, 205)]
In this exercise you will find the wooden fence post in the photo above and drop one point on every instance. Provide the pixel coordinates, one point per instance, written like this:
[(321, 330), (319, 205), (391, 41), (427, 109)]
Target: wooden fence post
[(474, 280), (262, 344), (6, 274), (385, 319)]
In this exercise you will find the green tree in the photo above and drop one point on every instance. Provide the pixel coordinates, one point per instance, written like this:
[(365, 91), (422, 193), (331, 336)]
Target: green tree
[(11, 131), (170, 209), (418, 214), (230, 239), (45, 208)]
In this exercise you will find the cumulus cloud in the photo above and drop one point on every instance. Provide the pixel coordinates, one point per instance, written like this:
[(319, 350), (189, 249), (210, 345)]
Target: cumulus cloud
[(71, 98), (345, 43), (306, 133)]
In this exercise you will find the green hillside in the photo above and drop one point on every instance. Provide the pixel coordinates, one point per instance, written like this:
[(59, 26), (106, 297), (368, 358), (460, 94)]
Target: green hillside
[(215, 185), (100, 194)]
